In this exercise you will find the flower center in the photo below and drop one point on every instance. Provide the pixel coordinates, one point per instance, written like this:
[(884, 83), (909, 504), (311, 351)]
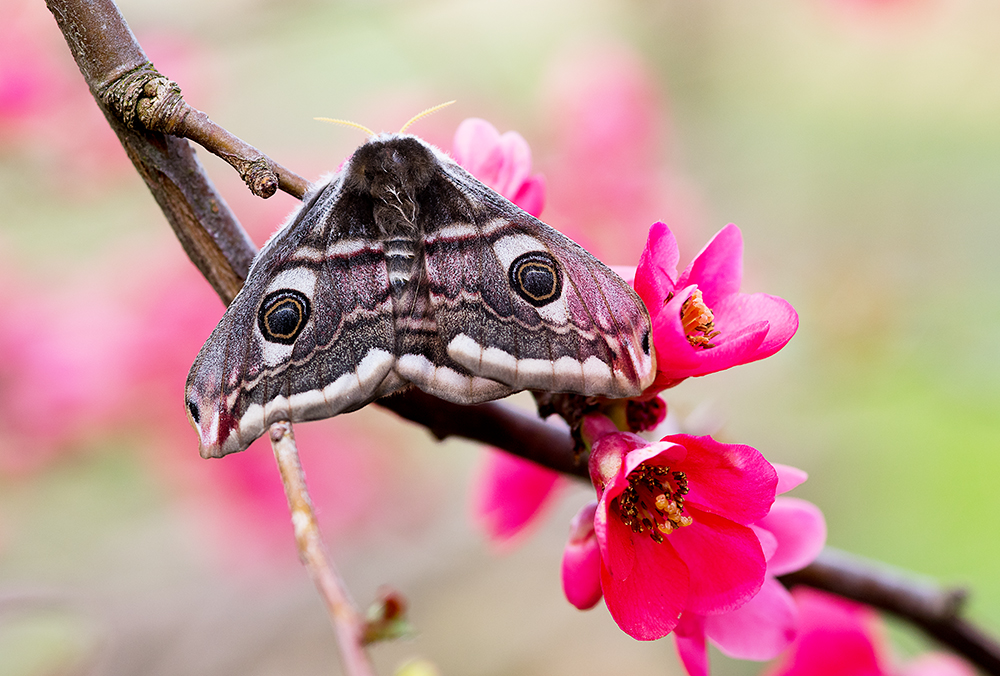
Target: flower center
[(654, 501), (698, 321)]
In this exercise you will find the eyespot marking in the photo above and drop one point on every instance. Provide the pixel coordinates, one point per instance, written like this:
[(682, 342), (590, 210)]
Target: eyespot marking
[(645, 343), (535, 277), (283, 315)]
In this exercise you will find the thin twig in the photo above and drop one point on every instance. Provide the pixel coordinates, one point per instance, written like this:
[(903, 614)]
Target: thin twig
[(159, 106), (348, 624)]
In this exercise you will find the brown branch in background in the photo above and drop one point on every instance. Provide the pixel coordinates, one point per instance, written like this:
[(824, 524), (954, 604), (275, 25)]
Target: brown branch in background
[(110, 59), (350, 627)]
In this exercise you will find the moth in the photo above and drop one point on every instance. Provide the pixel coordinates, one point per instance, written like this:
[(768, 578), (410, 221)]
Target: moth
[(402, 269)]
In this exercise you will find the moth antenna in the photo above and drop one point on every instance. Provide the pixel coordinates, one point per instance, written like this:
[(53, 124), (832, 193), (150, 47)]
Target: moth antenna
[(424, 114), (347, 123)]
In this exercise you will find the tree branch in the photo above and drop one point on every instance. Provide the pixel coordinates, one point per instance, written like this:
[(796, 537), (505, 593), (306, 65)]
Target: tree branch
[(144, 108)]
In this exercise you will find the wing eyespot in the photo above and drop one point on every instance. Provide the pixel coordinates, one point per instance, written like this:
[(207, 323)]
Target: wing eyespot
[(283, 315), (535, 276), (645, 343)]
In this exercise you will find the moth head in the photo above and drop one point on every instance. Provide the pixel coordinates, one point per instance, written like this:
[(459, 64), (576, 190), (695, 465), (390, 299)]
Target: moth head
[(391, 164)]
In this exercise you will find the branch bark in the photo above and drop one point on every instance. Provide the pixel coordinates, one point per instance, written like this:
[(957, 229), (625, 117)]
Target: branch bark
[(132, 95)]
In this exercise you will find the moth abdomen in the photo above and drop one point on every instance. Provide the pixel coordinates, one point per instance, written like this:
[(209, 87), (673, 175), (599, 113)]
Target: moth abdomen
[(401, 257)]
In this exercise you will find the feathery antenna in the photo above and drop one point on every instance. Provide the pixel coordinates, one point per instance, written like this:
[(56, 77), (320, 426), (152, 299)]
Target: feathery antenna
[(427, 112), (347, 123)]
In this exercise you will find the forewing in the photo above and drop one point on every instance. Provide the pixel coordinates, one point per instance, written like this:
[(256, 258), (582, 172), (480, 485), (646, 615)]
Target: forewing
[(329, 358), (518, 302)]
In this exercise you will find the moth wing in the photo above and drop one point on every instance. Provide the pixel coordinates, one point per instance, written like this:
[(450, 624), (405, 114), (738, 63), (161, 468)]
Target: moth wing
[(423, 359), (335, 360), (581, 330)]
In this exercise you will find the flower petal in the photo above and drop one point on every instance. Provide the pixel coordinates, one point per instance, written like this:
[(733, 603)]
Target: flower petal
[(834, 638), (725, 559), (647, 603), (800, 529), (759, 629), (657, 269), (689, 637), (476, 147), (581, 564), (531, 195), (737, 343), (732, 480), (657, 453), (788, 477), (615, 541), (768, 543), (595, 427), (511, 493), (516, 165), (742, 310), (718, 268)]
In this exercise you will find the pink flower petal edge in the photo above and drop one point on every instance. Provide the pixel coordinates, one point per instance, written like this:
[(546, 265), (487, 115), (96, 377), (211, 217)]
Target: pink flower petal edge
[(511, 493), (759, 629), (800, 530), (501, 161), (581, 566)]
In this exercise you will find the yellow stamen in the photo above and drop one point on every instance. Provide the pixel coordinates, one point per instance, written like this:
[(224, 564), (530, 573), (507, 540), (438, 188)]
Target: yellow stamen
[(664, 490), (698, 321)]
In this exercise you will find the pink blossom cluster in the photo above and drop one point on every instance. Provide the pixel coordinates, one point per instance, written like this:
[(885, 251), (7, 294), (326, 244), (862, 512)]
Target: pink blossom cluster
[(686, 534)]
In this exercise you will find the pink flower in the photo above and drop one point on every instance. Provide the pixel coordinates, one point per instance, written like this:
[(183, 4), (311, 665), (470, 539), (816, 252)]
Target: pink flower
[(838, 637), (672, 528), (581, 565), (792, 535), (511, 493), (701, 321), (501, 161)]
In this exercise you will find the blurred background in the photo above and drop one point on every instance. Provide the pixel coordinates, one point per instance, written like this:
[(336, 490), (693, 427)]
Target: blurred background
[(855, 142)]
